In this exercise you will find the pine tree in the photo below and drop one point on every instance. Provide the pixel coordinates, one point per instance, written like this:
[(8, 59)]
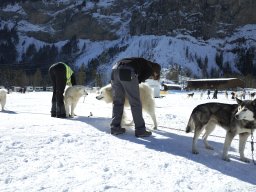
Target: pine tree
[(98, 80), (81, 75), (70, 50), (219, 59), (37, 78)]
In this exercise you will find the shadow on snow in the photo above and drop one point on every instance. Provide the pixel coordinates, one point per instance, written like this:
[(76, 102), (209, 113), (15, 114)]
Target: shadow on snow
[(179, 145)]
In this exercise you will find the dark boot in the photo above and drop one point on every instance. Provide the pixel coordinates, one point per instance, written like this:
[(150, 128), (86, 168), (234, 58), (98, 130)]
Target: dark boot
[(61, 112), (117, 130), (53, 109), (142, 133)]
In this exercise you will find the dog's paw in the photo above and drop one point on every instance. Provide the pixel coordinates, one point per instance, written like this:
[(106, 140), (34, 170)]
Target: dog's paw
[(209, 147), (69, 116), (244, 159), (194, 151), (226, 158)]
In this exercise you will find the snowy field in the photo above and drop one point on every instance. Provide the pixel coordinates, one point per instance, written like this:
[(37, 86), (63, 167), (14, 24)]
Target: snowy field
[(41, 153)]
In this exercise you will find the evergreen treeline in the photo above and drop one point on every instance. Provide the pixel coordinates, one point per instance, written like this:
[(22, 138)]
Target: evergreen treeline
[(8, 41), (32, 67), (105, 57), (245, 63)]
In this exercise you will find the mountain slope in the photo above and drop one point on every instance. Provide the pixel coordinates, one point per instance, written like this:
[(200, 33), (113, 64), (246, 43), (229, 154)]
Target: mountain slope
[(207, 38)]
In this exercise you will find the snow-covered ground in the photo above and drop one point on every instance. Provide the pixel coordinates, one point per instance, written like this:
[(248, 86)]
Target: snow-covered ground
[(41, 153)]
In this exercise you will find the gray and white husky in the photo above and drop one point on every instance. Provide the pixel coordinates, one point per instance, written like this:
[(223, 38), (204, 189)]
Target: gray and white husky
[(71, 98), (236, 119)]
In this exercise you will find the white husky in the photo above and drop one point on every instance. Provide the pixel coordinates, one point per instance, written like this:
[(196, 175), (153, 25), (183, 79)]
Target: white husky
[(72, 96), (146, 97), (3, 93)]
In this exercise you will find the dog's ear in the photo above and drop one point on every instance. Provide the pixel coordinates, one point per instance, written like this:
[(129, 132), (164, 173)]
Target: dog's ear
[(108, 88), (239, 101)]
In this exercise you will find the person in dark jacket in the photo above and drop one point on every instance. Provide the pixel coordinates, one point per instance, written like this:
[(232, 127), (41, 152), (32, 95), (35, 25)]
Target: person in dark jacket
[(61, 75), (215, 93), (125, 78), (208, 94)]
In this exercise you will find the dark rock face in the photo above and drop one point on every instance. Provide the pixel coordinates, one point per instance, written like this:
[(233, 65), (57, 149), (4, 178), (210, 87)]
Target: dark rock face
[(199, 18)]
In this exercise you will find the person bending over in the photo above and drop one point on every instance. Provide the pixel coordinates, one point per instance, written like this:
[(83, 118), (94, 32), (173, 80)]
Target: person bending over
[(61, 75), (126, 76)]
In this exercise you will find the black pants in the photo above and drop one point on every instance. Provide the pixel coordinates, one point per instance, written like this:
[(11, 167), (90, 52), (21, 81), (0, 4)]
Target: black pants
[(58, 77)]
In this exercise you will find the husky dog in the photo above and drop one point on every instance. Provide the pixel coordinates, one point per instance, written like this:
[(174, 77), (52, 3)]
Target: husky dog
[(146, 97), (226, 94), (3, 93), (72, 96), (233, 95), (201, 95), (236, 119), (190, 95)]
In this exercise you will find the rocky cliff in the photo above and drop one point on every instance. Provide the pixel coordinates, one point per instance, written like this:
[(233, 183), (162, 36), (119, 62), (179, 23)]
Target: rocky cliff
[(54, 21), (200, 18), (207, 38)]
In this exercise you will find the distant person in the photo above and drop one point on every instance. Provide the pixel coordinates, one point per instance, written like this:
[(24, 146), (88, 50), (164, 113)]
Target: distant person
[(244, 94), (215, 93), (61, 75), (125, 78), (208, 93)]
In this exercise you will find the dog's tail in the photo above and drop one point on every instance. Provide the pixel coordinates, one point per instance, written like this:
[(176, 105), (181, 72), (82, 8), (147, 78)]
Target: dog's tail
[(191, 125)]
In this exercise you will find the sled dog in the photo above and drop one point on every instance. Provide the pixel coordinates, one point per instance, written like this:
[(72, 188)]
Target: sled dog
[(71, 98), (3, 93), (226, 94), (146, 96), (190, 95), (236, 119), (201, 95)]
